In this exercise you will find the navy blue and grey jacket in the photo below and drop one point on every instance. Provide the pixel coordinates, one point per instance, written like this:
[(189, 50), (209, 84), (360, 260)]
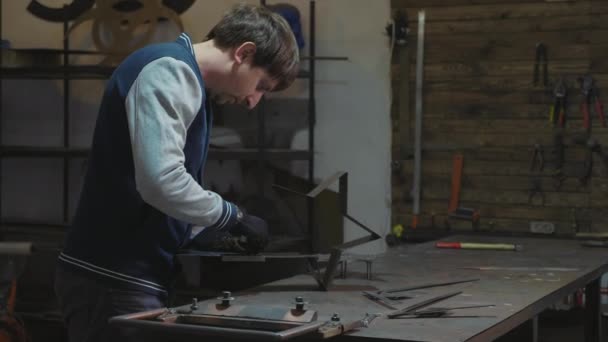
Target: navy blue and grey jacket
[(142, 192)]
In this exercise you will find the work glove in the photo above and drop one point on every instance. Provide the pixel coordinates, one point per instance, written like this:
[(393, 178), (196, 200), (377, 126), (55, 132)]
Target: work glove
[(248, 235), (252, 232)]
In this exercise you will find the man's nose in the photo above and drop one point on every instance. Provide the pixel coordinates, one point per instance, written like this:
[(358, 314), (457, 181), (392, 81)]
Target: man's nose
[(252, 100)]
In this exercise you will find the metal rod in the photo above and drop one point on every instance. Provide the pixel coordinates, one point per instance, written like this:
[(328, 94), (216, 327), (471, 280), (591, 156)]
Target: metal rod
[(261, 138), (422, 304), (197, 330), (301, 330), (364, 227), (311, 90), (15, 248), (418, 129), (1, 137), (426, 286), (330, 269), (261, 145), (380, 299), (368, 269), (405, 118), (325, 184), (311, 126), (66, 121), (286, 189), (324, 58)]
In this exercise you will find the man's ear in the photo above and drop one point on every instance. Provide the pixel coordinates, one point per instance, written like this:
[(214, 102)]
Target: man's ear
[(244, 51)]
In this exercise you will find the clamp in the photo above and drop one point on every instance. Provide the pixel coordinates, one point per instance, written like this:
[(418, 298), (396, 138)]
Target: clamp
[(590, 94)]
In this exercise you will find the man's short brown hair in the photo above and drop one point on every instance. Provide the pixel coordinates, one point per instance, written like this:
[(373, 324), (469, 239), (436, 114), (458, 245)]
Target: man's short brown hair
[(276, 47)]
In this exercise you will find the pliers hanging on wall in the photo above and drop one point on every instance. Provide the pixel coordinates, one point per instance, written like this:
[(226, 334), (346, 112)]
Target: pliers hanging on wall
[(541, 62), (558, 157), (591, 95), (557, 113), (536, 168)]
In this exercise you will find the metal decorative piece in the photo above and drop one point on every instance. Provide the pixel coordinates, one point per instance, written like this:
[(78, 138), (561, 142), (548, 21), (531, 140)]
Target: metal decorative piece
[(120, 27)]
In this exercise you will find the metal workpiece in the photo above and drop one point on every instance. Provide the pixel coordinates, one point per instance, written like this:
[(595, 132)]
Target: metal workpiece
[(336, 254), (367, 260), (335, 259), (259, 322)]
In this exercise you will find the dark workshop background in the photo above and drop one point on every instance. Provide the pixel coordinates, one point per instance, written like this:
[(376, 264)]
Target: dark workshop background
[(479, 100)]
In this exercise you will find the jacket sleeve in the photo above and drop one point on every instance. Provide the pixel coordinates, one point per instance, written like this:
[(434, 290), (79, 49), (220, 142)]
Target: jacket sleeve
[(161, 104)]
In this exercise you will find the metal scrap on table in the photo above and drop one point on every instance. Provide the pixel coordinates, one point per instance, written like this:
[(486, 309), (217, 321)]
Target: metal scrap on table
[(389, 298)]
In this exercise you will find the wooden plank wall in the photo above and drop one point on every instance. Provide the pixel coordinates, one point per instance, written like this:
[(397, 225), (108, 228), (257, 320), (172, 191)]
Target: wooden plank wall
[(479, 99)]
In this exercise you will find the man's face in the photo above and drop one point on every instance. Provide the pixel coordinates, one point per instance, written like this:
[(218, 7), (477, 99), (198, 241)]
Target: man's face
[(244, 84)]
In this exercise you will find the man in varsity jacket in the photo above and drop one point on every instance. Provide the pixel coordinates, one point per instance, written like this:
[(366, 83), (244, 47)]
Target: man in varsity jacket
[(142, 193)]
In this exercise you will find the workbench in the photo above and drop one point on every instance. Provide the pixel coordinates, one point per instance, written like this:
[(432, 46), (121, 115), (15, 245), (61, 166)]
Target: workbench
[(520, 285)]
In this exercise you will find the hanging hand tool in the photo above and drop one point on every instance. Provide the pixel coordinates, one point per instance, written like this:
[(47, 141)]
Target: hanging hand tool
[(557, 113), (541, 62), (590, 94), (474, 245), (584, 170), (558, 156), (536, 168), (455, 211)]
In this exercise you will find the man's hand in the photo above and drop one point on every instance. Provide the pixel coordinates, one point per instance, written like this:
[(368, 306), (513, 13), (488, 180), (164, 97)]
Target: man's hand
[(255, 232)]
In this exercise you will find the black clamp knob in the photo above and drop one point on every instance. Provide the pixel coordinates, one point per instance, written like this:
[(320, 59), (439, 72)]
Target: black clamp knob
[(299, 301), (226, 298)]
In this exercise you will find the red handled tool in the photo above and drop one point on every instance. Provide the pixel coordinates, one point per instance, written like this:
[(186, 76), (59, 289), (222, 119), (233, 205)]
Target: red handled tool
[(591, 94), (475, 245)]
